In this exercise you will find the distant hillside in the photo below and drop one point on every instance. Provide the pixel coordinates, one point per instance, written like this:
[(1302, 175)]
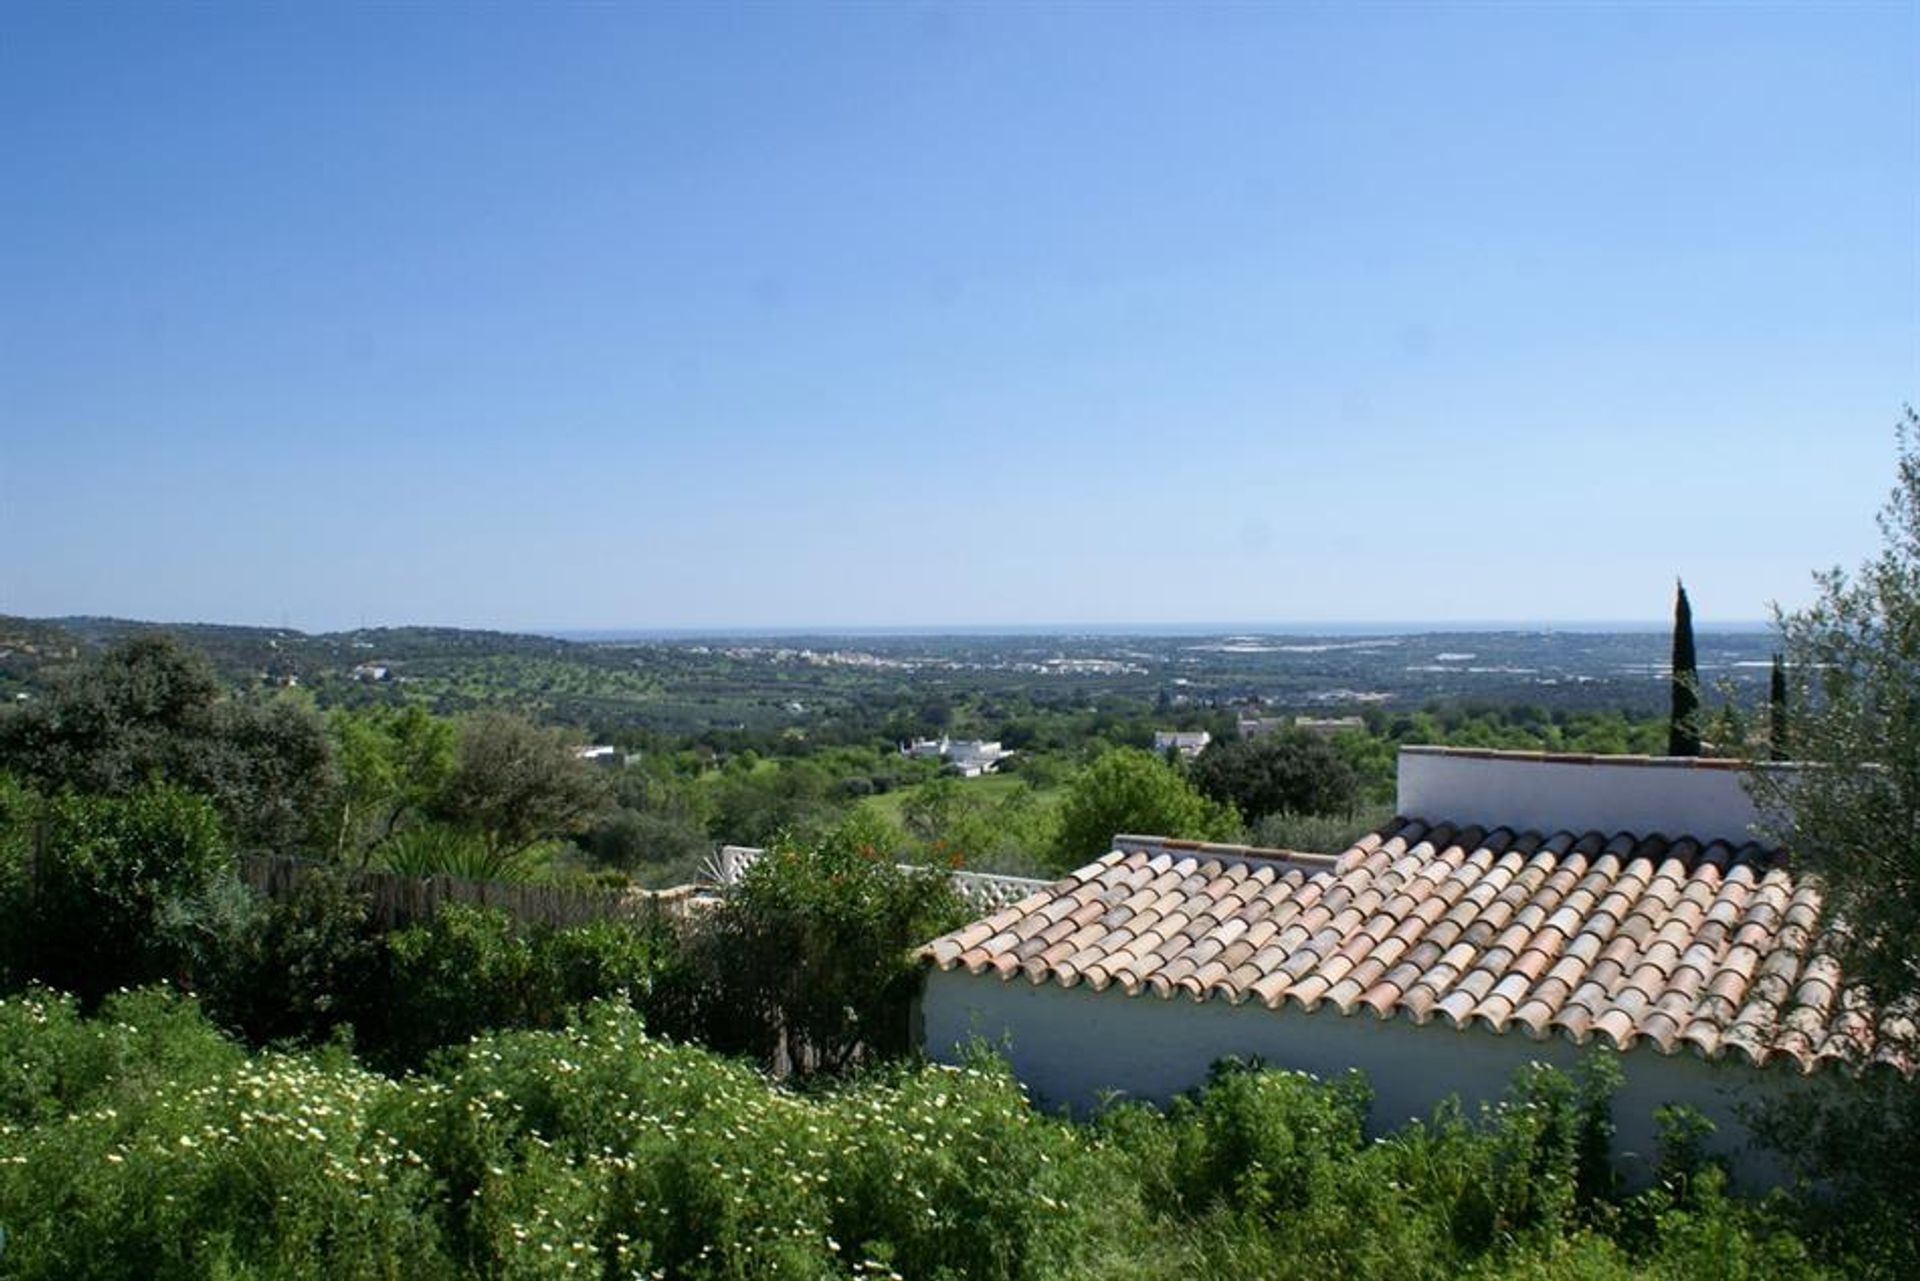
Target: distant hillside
[(813, 687)]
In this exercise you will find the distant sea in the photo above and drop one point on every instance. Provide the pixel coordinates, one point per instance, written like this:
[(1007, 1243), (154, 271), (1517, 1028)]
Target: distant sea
[(1412, 628)]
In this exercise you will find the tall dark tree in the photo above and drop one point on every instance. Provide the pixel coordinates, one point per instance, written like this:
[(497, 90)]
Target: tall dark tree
[(1778, 732), (1683, 724)]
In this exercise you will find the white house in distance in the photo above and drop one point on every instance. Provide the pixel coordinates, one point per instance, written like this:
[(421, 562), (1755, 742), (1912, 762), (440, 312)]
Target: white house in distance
[(1523, 906), (602, 754), (967, 757), (1189, 743)]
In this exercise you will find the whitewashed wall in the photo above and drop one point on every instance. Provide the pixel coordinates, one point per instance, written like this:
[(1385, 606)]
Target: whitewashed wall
[(1070, 1045), (1672, 796)]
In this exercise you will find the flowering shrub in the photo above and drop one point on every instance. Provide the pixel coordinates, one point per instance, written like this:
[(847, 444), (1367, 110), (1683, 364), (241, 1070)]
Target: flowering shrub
[(141, 1143)]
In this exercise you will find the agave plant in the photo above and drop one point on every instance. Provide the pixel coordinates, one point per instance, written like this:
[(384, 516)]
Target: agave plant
[(438, 849)]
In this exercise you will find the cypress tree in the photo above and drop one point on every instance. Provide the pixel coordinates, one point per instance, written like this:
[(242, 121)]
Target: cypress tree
[(1683, 725), (1777, 732)]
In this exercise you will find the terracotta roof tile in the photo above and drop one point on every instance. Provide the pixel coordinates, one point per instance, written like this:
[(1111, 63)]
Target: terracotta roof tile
[(1691, 947)]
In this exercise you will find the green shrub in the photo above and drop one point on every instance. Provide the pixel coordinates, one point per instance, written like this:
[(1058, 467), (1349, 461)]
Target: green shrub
[(140, 1143), (1130, 790), (1264, 1140), (107, 873), (301, 968), (200, 1167), (469, 970), (808, 961), (440, 849), (18, 810)]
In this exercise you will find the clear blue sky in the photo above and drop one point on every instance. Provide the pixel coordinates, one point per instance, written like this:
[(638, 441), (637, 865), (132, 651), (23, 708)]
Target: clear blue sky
[(927, 314)]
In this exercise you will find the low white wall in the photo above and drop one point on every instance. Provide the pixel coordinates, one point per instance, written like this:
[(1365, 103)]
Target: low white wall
[(1072, 1045), (1673, 796)]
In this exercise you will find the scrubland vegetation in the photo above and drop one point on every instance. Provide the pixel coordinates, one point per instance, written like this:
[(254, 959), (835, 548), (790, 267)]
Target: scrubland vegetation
[(197, 1082), (141, 1142)]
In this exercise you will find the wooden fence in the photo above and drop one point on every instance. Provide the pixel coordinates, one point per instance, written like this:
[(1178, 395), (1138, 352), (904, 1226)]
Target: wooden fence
[(398, 900)]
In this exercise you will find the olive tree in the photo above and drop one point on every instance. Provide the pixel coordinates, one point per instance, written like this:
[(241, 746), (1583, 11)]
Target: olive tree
[(1850, 812)]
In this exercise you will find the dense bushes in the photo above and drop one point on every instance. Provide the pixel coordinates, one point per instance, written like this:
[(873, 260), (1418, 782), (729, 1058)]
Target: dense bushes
[(806, 963), (1130, 790), (115, 884), (1294, 773), (140, 1143), (150, 708)]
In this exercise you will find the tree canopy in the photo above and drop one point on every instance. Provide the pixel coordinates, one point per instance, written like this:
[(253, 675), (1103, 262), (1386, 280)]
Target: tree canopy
[(1132, 790), (516, 783), (151, 708), (1280, 774), (1851, 811)]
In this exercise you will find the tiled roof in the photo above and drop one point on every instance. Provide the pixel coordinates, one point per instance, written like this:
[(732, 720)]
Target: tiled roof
[(1687, 946)]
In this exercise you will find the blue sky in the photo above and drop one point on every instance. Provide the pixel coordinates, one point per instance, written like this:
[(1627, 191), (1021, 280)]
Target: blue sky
[(686, 316)]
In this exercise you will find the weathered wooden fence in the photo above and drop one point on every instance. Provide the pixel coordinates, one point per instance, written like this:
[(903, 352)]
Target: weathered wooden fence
[(398, 900)]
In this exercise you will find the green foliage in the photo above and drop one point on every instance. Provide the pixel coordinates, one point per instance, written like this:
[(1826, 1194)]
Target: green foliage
[(54, 1062), (755, 805), (150, 708), (1853, 814), (19, 812), (1779, 718), (1854, 1145), (108, 871), (300, 969), (661, 851), (516, 784), (1319, 835), (1129, 790), (142, 1144), (1278, 774), (441, 849), (1263, 1141), (468, 970), (1850, 814), (394, 765), (808, 959), (958, 822), (1683, 719)]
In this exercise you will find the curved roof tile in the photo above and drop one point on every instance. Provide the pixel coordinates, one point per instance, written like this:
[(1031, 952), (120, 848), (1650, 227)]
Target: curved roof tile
[(1692, 947)]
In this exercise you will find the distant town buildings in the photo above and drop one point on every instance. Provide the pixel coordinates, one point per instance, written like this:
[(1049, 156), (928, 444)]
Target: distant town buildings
[(1189, 743), (371, 672)]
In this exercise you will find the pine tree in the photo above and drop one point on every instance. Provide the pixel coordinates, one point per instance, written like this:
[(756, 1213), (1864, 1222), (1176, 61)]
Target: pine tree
[(1777, 730), (1683, 725)]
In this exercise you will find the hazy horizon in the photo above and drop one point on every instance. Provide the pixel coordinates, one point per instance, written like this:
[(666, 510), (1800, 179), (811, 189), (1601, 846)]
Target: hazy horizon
[(1201, 628)]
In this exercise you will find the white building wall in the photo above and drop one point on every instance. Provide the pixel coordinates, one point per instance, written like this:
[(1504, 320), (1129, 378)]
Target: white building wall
[(1672, 796), (1073, 1045)]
